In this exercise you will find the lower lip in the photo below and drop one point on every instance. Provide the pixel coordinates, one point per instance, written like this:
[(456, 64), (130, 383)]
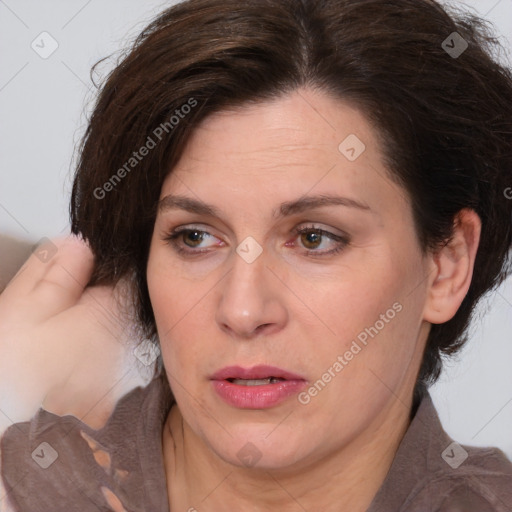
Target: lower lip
[(257, 397)]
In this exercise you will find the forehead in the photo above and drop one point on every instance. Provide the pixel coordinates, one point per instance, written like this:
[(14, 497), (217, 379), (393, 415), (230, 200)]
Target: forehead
[(296, 125), (301, 129), (303, 142)]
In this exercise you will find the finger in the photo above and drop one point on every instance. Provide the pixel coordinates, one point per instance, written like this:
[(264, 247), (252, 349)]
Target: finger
[(13, 253), (42, 258), (53, 278), (65, 279)]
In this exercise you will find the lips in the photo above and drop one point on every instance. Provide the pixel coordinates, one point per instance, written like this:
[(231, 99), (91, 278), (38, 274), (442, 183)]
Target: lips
[(259, 387)]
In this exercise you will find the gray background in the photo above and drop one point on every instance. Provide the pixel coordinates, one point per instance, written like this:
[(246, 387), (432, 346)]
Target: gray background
[(42, 111)]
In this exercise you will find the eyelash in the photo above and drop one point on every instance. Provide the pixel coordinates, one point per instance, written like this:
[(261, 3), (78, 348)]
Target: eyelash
[(342, 241), (171, 238)]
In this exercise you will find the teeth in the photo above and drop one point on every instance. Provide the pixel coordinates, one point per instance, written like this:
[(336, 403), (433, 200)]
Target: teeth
[(255, 382)]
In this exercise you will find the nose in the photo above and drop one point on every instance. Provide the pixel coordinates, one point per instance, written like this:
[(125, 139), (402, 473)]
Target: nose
[(251, 301)]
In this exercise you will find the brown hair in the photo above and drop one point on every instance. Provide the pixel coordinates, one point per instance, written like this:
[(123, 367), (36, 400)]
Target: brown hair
[(446, 120)]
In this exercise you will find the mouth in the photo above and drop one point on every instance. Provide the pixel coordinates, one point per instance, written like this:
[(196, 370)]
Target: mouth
[(259, 387), (255, 382), (255, 374)]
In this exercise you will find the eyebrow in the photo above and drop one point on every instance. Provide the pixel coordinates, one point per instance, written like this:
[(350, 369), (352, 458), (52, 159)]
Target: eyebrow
[(310, 202), (172, 202)]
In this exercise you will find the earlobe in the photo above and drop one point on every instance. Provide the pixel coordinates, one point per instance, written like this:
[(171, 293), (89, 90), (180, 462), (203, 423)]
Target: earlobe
[(452, 269)]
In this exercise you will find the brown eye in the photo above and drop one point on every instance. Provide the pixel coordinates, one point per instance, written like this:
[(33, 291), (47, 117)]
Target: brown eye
[(192, 241), (193, 236), (318, 242), (311, 239)]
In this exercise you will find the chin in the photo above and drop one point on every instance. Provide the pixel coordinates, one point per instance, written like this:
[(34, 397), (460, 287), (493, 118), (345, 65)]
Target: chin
[(259, 448)]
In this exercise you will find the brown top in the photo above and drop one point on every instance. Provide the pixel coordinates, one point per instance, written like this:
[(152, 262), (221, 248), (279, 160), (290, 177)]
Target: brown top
[(57, 463)]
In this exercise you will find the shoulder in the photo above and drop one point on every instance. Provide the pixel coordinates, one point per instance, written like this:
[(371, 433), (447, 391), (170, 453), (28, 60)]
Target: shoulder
[(466, 478), (468, 495), (433, 473), (51, 462), (481, 483)]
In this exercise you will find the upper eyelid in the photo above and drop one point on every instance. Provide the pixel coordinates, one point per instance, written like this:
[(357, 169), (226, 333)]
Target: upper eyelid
[(183, 229), (324, 231)]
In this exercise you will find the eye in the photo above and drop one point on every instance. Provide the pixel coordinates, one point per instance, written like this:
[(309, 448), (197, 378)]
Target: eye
[(185, 240), (311, 239), (192, 238), (319, 242)]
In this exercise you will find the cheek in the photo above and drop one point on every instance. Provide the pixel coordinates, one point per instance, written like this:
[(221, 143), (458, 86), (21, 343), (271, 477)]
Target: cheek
[(355, 298), (374, 319), (178, 307), (171, 296)]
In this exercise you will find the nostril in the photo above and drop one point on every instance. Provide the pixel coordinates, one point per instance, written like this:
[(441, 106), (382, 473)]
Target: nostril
[(261, 327)]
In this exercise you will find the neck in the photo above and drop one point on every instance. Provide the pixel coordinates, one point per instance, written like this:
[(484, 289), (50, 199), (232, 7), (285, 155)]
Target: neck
[(347, 479)]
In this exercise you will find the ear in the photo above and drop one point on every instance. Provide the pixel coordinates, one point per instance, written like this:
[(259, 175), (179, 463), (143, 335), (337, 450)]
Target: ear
[(452, 269)]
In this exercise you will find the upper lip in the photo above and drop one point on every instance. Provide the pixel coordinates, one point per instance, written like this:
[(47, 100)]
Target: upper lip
[(255, 372)]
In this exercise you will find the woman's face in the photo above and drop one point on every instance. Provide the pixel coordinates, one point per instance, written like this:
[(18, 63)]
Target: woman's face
[(282, 249)]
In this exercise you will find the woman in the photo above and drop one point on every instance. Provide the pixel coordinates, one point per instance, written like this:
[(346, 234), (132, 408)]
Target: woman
[(306, 200)]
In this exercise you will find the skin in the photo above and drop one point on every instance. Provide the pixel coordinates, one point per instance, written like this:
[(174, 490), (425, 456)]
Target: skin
[(47, 367), (293, 309), (287, 308)]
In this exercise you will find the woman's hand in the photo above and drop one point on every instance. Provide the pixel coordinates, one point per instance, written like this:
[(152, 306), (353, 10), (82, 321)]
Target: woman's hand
[(62, 346)]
